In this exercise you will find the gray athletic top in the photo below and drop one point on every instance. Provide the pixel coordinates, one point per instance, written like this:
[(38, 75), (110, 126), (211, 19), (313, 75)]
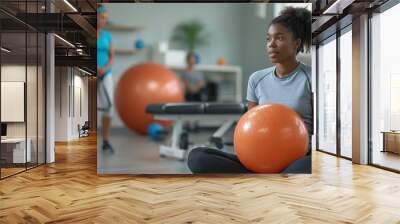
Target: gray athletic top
[(191, 77), (293, 90)]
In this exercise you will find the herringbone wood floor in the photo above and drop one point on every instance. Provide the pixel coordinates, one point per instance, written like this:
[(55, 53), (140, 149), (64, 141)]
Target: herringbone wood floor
[(70, 191)]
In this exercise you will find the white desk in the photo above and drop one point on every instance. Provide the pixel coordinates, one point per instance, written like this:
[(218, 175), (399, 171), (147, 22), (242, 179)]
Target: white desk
[(18, 145), (228, 77)]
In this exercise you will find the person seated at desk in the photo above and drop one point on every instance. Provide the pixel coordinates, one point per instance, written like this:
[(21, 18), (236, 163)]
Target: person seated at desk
[(193, 81)]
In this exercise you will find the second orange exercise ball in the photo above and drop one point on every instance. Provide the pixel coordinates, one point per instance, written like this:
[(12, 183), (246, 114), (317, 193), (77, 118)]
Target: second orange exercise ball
[(268, 138), (141, 85)]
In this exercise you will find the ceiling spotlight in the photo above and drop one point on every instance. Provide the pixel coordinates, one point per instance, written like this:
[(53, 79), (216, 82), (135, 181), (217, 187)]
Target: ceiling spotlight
[(338, 6), (70, 5), (84, 71), (5, 50), (64, 40)]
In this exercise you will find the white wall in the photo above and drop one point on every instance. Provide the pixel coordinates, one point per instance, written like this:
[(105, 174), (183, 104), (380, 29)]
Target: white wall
[(12, 73), (61, 103), (80, 100), (252, 48), (33, 126), (69, 85)]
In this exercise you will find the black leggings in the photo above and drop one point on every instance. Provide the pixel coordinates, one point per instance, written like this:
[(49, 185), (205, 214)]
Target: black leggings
[(209, 160)]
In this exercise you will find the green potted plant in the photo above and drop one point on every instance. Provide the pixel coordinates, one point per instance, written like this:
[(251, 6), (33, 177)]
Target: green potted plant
[(191, 35)]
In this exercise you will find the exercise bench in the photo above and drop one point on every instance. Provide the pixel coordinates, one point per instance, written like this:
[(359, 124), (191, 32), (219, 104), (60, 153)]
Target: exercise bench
[(228, 113)]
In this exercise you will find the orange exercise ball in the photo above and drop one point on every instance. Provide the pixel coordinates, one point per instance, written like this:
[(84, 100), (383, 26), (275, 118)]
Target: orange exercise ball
[(145, 84), (221, 61), (268, 138)]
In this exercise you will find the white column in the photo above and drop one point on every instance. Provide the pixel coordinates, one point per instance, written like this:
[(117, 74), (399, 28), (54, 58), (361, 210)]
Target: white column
[(360, 90), (314, 90), (50, 93), (50, 109)]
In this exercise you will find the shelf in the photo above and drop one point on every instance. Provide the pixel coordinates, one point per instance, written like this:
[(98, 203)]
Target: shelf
[(211, 68), (122, 28), (129, 51)]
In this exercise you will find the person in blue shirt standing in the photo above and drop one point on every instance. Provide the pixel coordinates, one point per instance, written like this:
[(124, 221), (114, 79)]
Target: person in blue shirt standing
[(288, 82), (105, 55)]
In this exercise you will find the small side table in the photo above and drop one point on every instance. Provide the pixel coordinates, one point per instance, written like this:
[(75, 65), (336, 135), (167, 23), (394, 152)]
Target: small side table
[(391, 141)]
